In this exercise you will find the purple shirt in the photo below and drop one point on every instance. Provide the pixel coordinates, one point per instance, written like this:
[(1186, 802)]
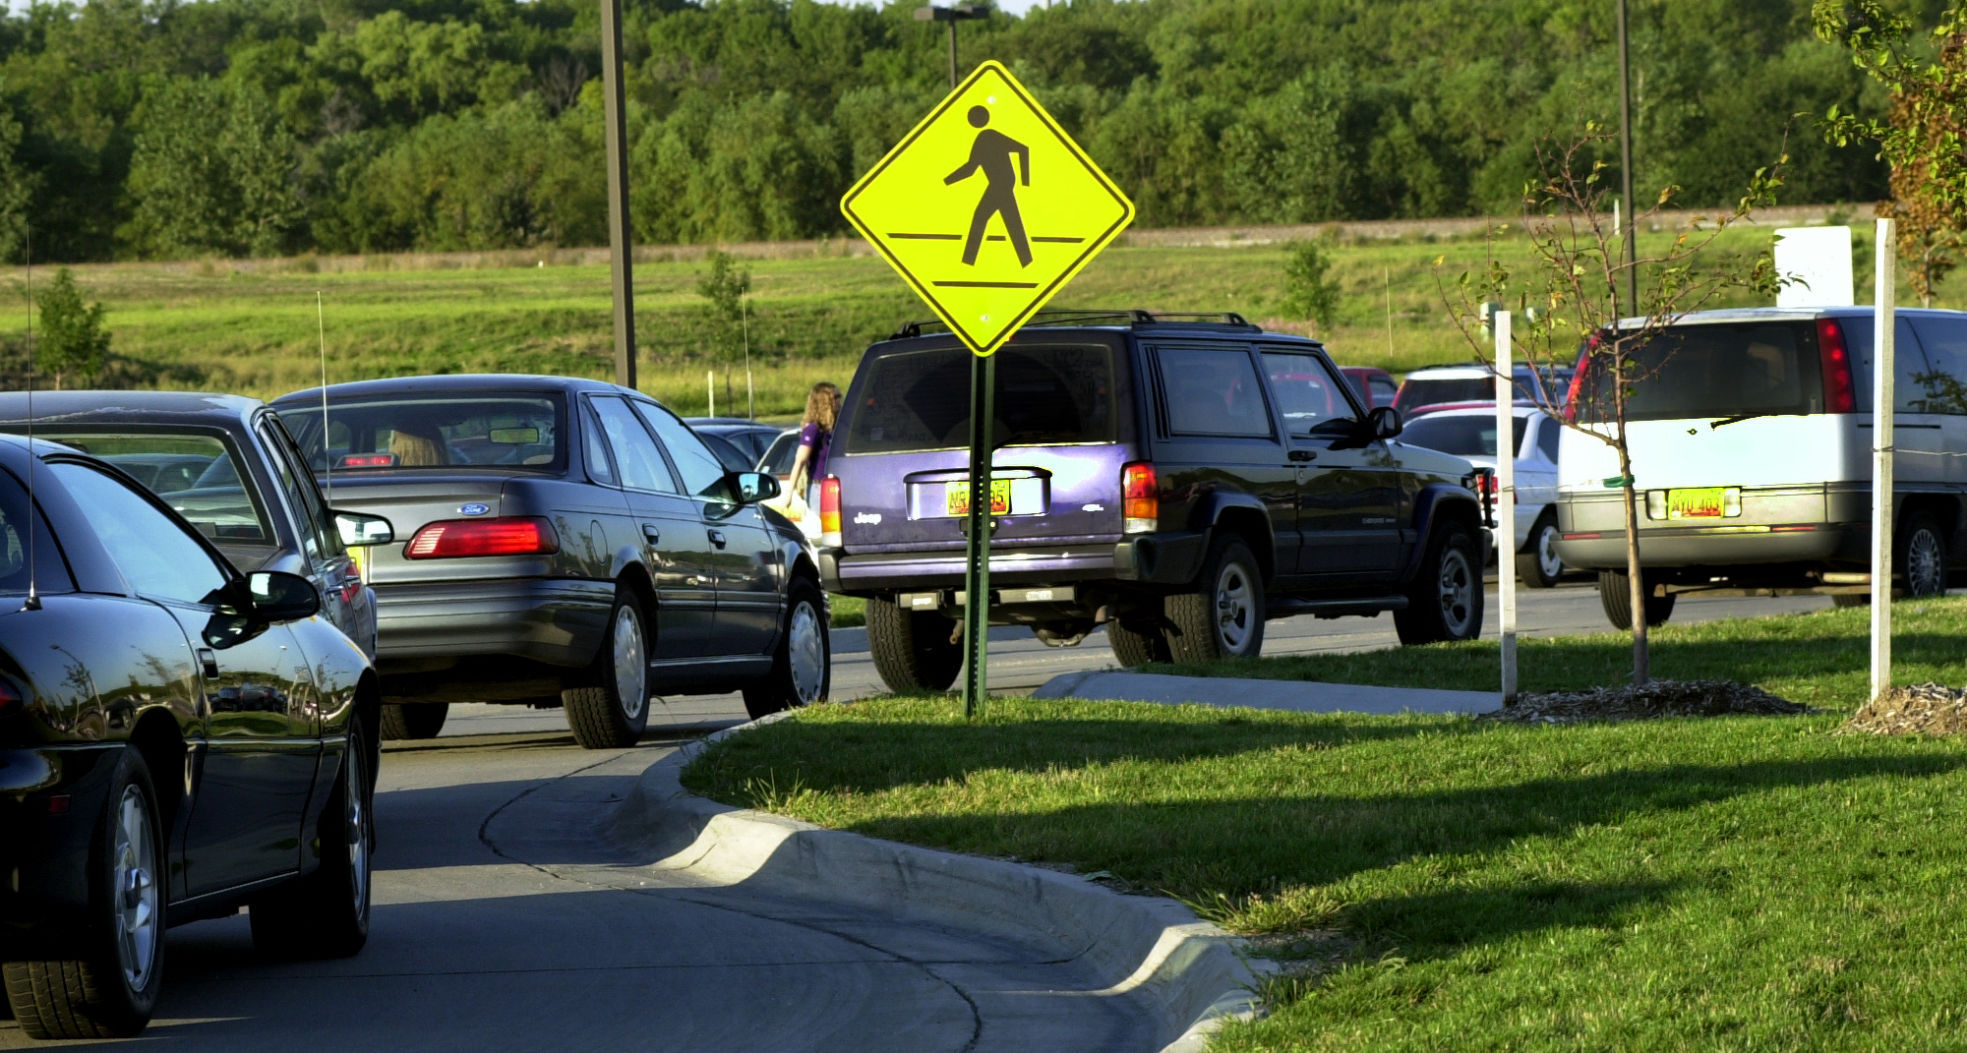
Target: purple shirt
[(817, 441)]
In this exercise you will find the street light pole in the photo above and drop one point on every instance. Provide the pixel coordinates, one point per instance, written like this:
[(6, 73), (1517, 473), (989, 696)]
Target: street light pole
[(1631, 232), (621, 238), (952, 15)]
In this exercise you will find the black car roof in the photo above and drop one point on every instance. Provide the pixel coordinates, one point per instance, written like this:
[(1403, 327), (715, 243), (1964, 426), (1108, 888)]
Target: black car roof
[(1138, 322), (452, 383), (181, 408)]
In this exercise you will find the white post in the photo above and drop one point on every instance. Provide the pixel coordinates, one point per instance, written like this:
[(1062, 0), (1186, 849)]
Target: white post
[(710, 391), (1883, 366), (1506, 501)]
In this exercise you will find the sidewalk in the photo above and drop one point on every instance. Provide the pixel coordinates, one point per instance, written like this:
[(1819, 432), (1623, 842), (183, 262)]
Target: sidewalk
[(1298, 695)]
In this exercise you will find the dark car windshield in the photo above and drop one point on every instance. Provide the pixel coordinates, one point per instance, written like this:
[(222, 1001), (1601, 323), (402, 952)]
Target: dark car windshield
[(1047, 395), (1464, 435), (433, 431), (1714, 372)]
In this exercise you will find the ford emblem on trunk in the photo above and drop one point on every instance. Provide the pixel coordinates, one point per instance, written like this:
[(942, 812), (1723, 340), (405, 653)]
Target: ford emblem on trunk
[(473, 509)]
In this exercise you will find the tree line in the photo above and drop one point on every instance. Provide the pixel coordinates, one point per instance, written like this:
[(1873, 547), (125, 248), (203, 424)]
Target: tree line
[(143, 129)]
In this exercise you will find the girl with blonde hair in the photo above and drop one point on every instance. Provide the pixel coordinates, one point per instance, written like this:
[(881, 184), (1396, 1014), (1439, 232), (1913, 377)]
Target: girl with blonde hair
[(815, 439)]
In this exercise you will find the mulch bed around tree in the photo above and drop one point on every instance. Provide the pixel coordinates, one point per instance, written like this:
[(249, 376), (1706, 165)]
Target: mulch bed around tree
[(1923, 709), (1661, 698)]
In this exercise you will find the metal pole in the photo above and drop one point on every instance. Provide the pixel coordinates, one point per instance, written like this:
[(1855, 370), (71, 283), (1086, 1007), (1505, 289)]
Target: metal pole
[(1506, 503), (1884, 364), (1631, 242), (976, 576), (620, 242), (952, 53)]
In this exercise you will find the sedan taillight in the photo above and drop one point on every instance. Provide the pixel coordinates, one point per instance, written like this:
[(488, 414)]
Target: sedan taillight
[(830, 512), (10, 699), (513, 536)]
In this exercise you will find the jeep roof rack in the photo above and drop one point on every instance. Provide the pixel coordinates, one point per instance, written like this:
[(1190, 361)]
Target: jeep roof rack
[(1098, 316)]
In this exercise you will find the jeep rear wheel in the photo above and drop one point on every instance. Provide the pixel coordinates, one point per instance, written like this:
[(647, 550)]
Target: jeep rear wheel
[(1226, 618), (1138, 642), (912, 650), (1445, 600)]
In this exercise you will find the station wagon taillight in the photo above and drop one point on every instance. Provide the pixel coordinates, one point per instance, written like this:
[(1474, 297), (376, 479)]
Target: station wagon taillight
[(1836, 360), (1141, 500), (830, 511), (509, 536)]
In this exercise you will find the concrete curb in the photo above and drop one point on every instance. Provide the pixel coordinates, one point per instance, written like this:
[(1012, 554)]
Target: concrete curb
[(1194, 971), (1297, 695)]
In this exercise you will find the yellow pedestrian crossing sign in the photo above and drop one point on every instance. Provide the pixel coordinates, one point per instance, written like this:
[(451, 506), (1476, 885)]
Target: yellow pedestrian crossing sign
[(987, 208)]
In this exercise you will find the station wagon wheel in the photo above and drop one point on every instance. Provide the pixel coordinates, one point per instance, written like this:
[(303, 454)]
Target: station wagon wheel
[(1226, 619), (802, 666), (113, 990), (1922, 556), (1444, 602), (608, 708)]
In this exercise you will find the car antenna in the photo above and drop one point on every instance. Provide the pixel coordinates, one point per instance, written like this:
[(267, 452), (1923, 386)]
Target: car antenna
[(327, 461), (33, 602)]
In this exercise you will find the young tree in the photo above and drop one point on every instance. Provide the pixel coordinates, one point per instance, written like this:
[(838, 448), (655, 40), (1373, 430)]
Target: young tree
[(1575, 309), (725, 287), (70, 338), (1923, 136), (1309, 291)]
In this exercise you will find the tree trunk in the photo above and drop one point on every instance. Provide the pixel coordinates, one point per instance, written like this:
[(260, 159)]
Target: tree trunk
[(1641, 589)]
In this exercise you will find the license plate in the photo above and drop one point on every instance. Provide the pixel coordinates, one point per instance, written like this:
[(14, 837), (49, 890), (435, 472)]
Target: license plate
[(958, 497), (1706, 502)]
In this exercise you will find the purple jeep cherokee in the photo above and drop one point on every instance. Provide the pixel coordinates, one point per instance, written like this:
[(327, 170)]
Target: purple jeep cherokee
[(1178, 481)]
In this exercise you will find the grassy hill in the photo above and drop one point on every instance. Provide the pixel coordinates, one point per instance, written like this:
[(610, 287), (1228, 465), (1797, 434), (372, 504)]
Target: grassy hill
[(251, 327)]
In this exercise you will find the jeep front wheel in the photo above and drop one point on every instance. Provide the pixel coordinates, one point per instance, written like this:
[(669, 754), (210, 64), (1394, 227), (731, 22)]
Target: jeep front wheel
[(1226, 618), (1445, 600)]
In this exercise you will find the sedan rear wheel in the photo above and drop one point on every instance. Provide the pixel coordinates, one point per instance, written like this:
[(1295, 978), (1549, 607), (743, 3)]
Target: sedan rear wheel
[(1538, 565), (609, 708), (112, 990)]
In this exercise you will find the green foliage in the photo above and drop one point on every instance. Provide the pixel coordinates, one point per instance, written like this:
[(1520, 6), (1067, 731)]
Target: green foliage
[(1309, 291), (71, 339), (212, 173), (17, 185), (725, 287)]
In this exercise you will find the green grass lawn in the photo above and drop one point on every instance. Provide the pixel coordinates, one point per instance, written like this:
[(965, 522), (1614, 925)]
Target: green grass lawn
[(252, 328), (1737, 883)]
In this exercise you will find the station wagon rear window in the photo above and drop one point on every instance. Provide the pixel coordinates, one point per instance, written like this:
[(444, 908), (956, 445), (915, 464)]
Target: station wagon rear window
[(1047, 395), (502, 431), (195, 472), (1715, 372)]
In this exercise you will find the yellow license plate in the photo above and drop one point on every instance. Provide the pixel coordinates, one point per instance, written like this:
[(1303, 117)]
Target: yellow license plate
[(958, 497), (1706, 502), (359, 556)]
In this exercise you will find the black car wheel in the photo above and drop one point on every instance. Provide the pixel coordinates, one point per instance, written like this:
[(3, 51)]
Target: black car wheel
[(913, 650), (1921, 556), (420, 720), (1138, 640), (111, 990), (802, 668), (1615, 595), (1226, 618), (1445, 600), (1538, 565), (609, 709), (326, 913)]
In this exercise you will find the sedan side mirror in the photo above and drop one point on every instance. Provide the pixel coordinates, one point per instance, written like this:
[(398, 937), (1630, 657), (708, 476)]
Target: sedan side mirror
[(752, 487), (282, 597), (358, 530), (1383, 422)]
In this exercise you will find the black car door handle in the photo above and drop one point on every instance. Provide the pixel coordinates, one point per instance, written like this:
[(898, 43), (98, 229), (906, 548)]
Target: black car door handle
[(717, 538), (650, 532), (1304, 455), (210, 661)]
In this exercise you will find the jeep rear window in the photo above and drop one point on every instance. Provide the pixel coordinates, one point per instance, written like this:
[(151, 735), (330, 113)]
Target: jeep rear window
[(1714, 372), (1047, 395)]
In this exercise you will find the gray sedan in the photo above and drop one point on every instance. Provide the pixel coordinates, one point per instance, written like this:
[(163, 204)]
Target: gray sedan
[(570, 543)]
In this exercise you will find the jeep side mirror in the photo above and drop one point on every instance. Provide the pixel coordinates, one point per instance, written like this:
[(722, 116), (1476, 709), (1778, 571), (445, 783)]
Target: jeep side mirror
[(1383, 422)]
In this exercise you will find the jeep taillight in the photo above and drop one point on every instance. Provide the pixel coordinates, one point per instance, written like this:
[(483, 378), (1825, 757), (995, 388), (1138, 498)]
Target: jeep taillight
[(507, 536), (1140, 501), (830, 512), (1835, 359)]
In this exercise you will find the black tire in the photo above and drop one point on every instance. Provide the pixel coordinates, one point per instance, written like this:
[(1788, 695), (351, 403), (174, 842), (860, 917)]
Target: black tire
[(1850, 599), (802, 667), (111, 990), (608, 705), (1138, 643), (1538, 565), (326, 913), (1445, 600), (1919, 560), (420, 720), (1225, 617), (912, 650), (1615, 596)]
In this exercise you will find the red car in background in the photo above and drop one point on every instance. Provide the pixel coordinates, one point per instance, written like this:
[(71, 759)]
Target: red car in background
[(1374, 385)]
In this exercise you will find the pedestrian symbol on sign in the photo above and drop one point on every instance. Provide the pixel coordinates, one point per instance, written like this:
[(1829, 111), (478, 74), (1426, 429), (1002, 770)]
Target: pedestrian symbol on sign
[(916, 210)]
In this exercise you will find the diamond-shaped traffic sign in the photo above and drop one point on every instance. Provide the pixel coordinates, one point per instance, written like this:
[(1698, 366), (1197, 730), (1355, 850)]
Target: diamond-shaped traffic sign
[(987, 208)]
